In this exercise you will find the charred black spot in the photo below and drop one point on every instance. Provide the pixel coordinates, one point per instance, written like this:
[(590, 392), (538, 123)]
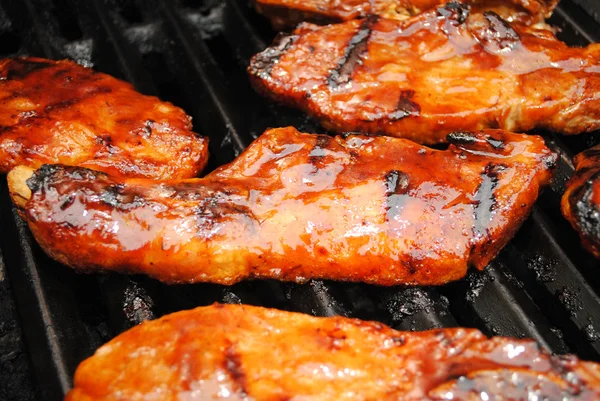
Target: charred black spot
[(21, 67), (52, 173), (461, 138), (147, 132), (262, 64), (115, 196), (585, 212), (410, 266), (41, 176), (471, 138), (397, 183), (455, 11), (400, 341), (104, 140), (233, 365), (68, 201), (500, 32), (321, 144), (214, 207), (406, 107), (485, 199), (495, 143), (357, 46), (318, 151)]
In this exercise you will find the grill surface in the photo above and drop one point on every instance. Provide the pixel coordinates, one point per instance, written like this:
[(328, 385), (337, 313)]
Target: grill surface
[(193, 53)]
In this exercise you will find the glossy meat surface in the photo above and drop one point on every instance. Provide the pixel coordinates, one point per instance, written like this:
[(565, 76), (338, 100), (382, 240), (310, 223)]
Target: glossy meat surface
[(581, 201), (288, 13), (442, 71), (61, 112), (236, 352), (298, 206)]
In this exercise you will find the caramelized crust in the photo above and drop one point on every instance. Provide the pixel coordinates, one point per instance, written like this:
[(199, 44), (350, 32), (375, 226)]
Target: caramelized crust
[(288, 13), (237, 352), (61, 112), (299, 206), (581, 200), (442, 71)]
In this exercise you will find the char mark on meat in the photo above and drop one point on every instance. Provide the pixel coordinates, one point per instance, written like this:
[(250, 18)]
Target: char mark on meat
[(485, 200), (263, 63), (585, 210), (500, 32), (21, 68), (406, 107), (233, 365), (455, 11), (357, 47), (318, 151), (396, 183)]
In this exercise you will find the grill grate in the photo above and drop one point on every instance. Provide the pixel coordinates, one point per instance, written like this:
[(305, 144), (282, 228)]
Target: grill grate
[(193, 53)]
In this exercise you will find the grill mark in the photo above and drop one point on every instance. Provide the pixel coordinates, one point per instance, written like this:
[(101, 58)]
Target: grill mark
[(406, 107), (454, 11), (485, 200), (496, 143), (262, 64), (357, 46), (71, 102), (213, 208), (461, 138), (396, 183), (318, 151), (50, 174), (115, 196), (500, 32), (592, 153), (21, 68), (233, 365)]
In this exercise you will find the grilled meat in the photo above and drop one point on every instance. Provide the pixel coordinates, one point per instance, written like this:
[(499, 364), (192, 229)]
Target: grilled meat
[(298, 206), (440, 72), (288, 13), (581, 201), (238, 352), (61, 112)]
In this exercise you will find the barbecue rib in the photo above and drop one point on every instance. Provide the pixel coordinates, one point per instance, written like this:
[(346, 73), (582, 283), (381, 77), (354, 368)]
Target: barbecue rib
[(298, 206), (288, 13), (61, 112), (436, 73), (581, 201), (238, 352)]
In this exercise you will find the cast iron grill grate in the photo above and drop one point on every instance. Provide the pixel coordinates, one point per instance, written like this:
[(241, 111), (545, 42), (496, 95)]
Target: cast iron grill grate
[(193, 53)]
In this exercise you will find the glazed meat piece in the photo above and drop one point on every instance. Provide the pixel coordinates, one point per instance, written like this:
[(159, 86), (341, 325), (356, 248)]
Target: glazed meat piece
[(61, 112), (298, 206), (440, 72), (581, 201), (288, 13), (219, 352)]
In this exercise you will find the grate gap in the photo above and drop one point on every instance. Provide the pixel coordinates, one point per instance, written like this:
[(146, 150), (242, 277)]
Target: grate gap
[(130, 12), (67, 20), (10, 43)]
